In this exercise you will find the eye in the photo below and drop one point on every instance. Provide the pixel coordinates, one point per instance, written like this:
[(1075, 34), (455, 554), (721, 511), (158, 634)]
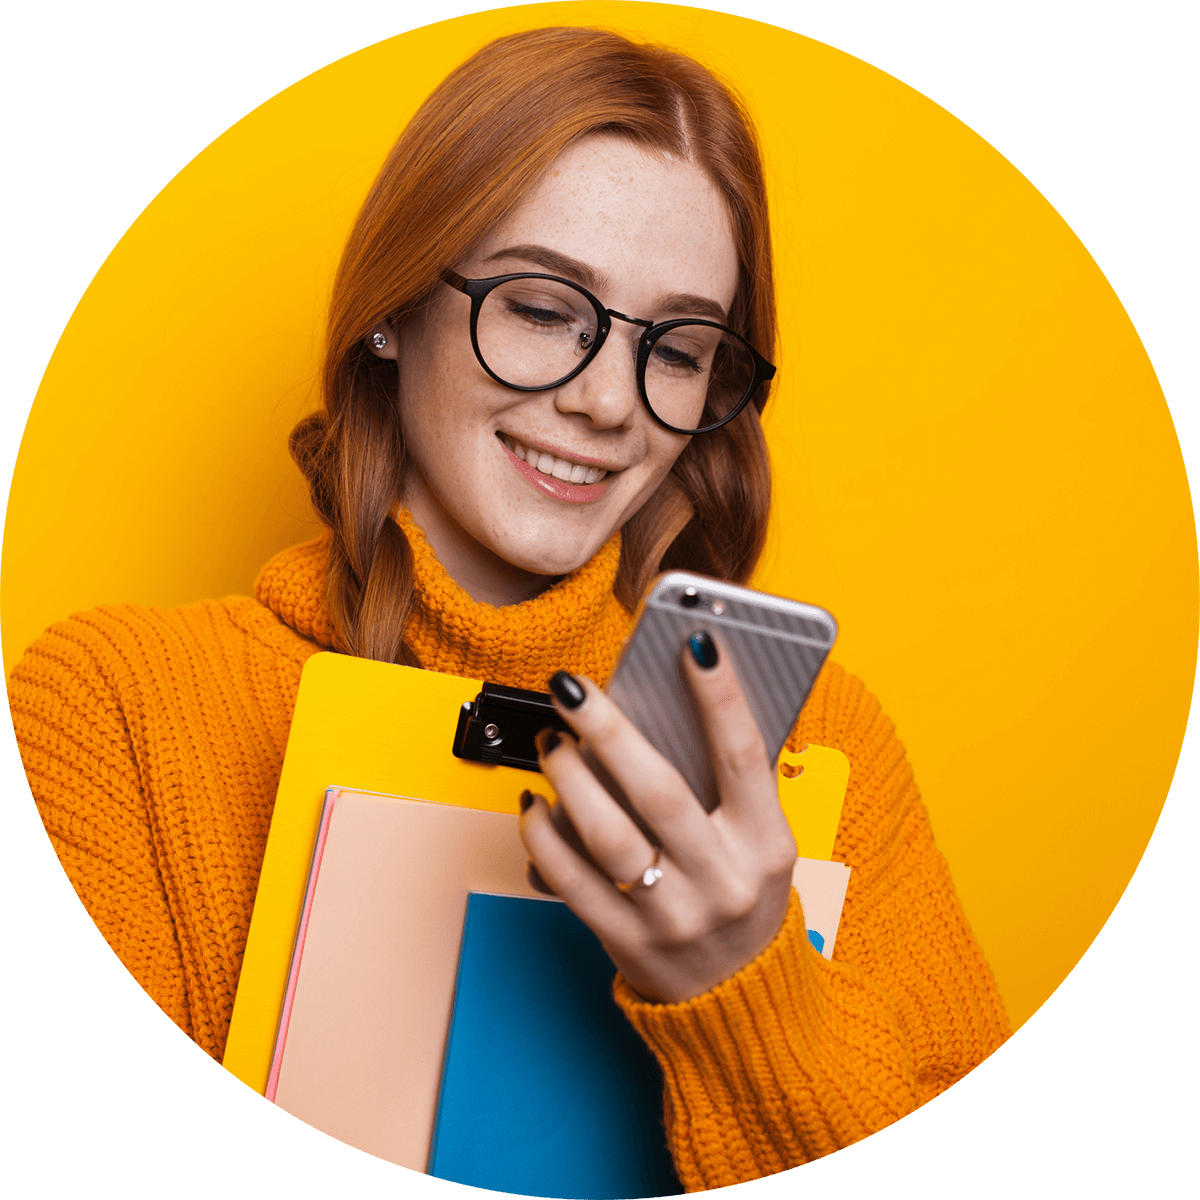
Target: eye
[(672, 356), (539, 316)]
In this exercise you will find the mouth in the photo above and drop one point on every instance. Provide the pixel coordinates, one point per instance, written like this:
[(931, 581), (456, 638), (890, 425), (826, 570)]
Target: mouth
[(566, 470), (560, 478)]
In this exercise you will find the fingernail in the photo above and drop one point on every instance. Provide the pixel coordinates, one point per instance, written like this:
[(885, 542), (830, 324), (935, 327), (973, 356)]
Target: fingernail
[(546, 741), (567, 689), (526, 800), (704, 649)]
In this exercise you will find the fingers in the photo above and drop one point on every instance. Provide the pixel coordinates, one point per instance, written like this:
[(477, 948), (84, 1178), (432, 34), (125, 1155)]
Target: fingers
[(655, 789), (735, 742), (613, 841), (585, 890), (744, 774)]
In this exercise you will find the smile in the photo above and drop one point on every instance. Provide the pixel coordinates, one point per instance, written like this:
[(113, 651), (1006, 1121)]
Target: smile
[(564, 469)]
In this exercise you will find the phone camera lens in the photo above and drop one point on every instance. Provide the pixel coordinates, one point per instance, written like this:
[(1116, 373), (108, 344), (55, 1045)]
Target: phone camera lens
[(690, 598)]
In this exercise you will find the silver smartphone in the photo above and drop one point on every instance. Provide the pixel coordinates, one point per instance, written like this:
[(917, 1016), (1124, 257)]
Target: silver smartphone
[(776, 645)]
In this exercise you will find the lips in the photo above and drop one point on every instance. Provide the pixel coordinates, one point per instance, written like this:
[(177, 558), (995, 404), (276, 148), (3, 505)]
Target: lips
[(564, 469), (552, 474)]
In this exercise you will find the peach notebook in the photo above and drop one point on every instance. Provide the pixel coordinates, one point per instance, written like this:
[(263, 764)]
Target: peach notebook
[(368, 1004)]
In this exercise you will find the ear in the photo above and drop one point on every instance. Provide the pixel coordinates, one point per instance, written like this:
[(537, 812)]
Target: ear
[(383, 341)]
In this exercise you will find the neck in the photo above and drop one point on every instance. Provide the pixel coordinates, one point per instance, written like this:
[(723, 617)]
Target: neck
[(480, 572), (576, 625)]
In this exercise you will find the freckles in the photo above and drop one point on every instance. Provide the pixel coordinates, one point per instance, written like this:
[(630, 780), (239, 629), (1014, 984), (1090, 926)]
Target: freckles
[(443, 391)]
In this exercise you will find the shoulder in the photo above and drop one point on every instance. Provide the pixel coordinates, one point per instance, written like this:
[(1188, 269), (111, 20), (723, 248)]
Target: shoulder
[(842, 713), (116, 648), (141, 631)]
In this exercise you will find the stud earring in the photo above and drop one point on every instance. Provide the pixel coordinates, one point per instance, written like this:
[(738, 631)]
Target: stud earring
[(379, 340)]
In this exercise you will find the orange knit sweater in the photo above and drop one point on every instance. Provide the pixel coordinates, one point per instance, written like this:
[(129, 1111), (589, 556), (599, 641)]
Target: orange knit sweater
[(153, 741)]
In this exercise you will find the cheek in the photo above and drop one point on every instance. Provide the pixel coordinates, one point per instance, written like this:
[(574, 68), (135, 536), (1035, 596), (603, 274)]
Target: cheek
[(435, 393), (663, 449)]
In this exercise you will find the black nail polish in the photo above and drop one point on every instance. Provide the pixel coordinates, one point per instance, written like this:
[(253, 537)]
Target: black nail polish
[(526, 800), (567, 690), (704, 649), (546, 741)]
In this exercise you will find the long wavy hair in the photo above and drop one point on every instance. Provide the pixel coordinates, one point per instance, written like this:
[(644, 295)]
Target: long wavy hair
[(475, 147)]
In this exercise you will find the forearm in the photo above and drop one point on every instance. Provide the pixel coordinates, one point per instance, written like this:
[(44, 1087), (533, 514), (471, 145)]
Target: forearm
[(132, 914), (789, 1060), (794, 1056)]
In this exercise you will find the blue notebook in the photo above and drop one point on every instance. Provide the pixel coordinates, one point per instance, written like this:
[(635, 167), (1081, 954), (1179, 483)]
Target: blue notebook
[(546, 1089)]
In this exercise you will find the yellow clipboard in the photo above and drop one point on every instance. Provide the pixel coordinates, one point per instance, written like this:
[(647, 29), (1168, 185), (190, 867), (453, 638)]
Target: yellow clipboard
[(376, 727)]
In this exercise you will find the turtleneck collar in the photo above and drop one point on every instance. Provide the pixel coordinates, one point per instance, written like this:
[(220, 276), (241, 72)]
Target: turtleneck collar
[(577, 625)]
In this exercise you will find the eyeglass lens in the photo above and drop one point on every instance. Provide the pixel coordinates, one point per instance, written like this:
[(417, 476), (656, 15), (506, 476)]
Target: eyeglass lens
[(533, 332)]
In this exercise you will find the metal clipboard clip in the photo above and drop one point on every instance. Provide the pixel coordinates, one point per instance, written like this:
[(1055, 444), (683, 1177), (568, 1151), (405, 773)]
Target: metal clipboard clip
[(499, 726)]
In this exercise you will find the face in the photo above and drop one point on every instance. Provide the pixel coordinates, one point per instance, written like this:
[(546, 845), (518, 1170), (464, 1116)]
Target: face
[(650, 237)]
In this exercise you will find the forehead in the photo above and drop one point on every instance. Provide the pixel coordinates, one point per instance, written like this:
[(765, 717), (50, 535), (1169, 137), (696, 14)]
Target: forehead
[(640, 218)]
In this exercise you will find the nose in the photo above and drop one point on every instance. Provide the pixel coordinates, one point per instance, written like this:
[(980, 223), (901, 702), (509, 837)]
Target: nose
[(606, 391)]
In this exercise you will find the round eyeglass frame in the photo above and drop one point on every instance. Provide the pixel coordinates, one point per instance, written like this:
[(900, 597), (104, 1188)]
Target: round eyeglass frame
[(478, 289)]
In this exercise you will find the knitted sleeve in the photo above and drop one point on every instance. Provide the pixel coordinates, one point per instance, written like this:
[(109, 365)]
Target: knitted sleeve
[(153, 740), (70, 722), (794, 1056)]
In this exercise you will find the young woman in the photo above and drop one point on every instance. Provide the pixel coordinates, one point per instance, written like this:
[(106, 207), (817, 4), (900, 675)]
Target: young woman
[(549, 343)]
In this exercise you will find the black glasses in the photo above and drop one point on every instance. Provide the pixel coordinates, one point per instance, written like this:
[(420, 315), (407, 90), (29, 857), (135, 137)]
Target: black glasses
[(534, 332)]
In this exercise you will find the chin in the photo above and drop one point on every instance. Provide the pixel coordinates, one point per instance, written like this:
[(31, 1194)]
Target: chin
[(552, 566), (551, 554)]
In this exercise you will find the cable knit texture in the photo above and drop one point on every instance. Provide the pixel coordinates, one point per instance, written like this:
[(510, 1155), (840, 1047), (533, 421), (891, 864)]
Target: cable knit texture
[(153, 741)]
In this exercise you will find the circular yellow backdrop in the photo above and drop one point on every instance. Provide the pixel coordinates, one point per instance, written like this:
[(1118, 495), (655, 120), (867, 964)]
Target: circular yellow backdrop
[(976, 469)]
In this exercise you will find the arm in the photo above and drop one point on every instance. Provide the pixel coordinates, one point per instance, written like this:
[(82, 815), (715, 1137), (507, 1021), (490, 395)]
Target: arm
[(69, 718), (792, 1057)]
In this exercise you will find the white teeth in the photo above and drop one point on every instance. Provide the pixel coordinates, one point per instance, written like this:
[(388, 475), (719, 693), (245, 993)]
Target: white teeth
[(559, 468)]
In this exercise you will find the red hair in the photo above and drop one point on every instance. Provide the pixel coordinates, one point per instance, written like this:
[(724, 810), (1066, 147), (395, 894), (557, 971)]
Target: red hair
[(475, 147)]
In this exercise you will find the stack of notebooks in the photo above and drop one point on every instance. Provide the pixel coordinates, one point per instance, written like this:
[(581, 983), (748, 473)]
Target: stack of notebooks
[(404, 988)]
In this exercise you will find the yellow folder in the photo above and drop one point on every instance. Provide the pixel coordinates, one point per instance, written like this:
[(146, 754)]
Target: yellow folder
[(376, 727)]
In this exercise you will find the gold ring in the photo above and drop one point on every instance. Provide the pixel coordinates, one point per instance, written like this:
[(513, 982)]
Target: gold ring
[(648, 878)]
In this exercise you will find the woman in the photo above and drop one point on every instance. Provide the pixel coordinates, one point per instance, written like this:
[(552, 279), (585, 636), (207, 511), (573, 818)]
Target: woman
[(494, 511)]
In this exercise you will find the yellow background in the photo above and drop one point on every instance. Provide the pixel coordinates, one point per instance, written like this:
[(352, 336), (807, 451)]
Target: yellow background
[(976, 469)]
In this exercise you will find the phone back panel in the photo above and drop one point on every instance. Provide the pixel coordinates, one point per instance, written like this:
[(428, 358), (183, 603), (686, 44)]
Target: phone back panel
[(776, 645)]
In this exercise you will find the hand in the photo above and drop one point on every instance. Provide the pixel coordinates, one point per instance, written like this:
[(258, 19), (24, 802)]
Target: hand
[(726, 875)]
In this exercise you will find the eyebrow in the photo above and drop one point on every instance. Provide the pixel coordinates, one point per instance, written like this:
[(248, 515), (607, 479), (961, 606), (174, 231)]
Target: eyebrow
[(683, 303)]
